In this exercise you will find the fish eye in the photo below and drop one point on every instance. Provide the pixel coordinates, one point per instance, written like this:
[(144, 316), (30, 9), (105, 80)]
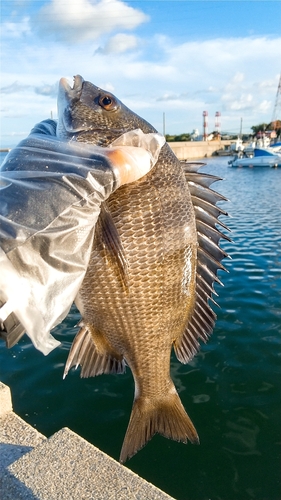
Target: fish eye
[(107, 102)]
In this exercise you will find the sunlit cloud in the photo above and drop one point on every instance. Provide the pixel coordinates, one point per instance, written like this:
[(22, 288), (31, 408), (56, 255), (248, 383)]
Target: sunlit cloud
[(265, 106), (243, 103), (13, 88), (171, 97), (107, 42), (16, 29), (18, 88), (119, 43), (47, 90), (83, 20)]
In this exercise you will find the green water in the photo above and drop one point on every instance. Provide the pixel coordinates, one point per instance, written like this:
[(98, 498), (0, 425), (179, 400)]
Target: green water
[(231, 390)]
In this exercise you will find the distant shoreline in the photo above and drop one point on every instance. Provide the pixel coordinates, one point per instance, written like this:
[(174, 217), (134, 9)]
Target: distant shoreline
[(5, 150)]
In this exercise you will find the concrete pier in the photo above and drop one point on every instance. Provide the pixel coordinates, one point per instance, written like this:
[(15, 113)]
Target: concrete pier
[(192, 150), (63, 467)]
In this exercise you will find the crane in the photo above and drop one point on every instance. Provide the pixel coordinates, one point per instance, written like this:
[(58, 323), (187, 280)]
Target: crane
[(277, 106)]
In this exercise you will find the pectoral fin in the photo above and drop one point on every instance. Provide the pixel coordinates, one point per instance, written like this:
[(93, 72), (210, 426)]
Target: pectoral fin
[(112, 242)]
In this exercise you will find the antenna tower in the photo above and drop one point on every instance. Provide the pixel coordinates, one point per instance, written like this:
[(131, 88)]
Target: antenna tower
[(205, 125), (277, 107), (218, 122)]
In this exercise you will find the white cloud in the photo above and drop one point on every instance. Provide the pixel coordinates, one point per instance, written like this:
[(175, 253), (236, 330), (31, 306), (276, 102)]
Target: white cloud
[(14, 88), (265, 106), (119, 43), (42, 89), (269, 85), (107, 86), (166, 97), (47, 89), (84, 20), (238, 77), (16, 29), (244, 102), (232, 61)]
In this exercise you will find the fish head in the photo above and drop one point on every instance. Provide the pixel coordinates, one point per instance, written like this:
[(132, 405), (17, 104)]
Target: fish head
[(87, 113)]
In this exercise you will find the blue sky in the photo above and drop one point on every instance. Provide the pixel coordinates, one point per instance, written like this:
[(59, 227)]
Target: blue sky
[(174, 57)]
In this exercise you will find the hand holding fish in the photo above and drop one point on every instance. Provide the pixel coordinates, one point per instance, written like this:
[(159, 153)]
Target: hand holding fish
[(133, 154), (51, 193)]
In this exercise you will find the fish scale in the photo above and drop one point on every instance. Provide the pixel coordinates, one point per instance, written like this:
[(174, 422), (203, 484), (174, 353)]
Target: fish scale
[(154, 260)]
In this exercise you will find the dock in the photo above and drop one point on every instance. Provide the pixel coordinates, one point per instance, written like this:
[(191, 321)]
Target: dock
[(62, 467), (195, 150), (188, 150)]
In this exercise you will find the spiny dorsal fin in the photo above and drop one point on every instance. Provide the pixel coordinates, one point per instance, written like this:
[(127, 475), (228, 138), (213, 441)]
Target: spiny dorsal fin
[(113, 244), (83, 352), (209, 256)]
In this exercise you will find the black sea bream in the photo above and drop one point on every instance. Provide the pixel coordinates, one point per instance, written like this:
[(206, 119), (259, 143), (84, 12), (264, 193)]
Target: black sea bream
[(153, 265)]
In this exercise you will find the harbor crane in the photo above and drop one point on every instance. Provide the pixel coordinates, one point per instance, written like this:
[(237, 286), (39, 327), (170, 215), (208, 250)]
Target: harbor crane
[(277, 106)]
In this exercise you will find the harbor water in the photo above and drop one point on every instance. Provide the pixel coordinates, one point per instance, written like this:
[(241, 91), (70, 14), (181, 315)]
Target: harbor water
[(231, 390)]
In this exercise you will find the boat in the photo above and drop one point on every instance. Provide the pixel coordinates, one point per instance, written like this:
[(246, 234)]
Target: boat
[(234, 147), (259, 157), (226, 151)]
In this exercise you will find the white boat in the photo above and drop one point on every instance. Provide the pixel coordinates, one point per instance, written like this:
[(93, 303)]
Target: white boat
[(234, 147), (237, 146), (262, 157)]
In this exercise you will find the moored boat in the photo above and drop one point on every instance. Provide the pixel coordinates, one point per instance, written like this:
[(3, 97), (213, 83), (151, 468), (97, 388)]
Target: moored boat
[(262, 157)]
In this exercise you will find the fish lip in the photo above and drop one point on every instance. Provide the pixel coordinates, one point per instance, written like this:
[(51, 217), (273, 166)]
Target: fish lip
[(67, 96), (72, 92)]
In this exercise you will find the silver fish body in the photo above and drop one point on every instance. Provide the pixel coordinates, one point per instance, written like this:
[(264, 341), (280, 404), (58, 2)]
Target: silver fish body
[(153, 264)]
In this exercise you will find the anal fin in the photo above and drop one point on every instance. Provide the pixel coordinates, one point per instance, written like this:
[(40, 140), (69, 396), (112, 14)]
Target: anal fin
[(83, 352)]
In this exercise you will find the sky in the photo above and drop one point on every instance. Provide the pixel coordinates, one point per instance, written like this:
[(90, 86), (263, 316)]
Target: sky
[(172, 59)]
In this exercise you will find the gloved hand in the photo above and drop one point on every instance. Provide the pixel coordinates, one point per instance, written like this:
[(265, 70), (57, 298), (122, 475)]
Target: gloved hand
[(50, 197), (139, 155)]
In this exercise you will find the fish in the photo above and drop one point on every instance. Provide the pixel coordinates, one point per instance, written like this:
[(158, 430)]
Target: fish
[(150, 280)]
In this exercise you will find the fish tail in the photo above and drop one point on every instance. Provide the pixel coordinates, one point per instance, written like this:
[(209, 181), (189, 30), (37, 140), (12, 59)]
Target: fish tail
[(165, 416)]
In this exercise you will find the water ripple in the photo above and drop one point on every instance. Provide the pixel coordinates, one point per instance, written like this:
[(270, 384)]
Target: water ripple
[(231, 389)]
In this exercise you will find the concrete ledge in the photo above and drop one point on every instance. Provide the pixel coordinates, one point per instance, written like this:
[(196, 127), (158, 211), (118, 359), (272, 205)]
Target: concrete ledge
[(5, 399), (63, 467), (195, 150)]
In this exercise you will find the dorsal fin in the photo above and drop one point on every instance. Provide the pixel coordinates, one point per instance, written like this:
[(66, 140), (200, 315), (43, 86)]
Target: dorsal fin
[(209, 256), (111, 240)]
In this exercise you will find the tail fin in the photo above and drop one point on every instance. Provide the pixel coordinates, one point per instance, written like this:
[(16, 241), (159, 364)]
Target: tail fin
[(165, 416)]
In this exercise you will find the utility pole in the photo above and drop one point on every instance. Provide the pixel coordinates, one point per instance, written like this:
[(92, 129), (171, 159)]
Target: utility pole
[(241, 122)]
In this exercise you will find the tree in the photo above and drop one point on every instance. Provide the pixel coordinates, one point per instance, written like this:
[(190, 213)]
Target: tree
[(258, 128), (276, 125), (178, 138)]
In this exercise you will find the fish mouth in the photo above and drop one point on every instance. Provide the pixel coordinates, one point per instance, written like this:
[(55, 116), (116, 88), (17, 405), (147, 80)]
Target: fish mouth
[(67, 96), (75, 90)]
